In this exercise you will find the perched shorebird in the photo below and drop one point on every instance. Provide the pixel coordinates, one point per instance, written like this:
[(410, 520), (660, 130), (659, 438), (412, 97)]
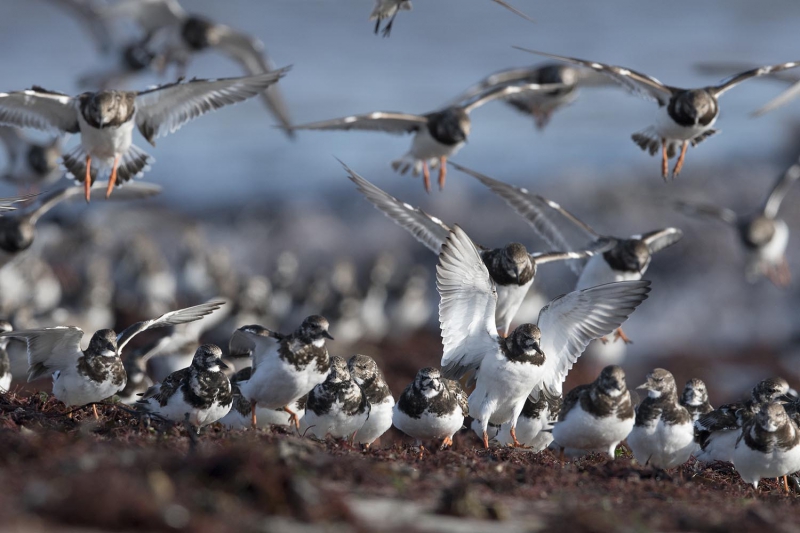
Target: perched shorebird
[(105, 119), (437, 135), (369, 377), (337, 407), (763, 235), (178, 36), (30, 164), (285, 367), (534, 359), (199, 394), (695, 399), (626, 260), (81, 377), (511, 268), (684, 116), (597, 416), (431, 408), (663, 434)]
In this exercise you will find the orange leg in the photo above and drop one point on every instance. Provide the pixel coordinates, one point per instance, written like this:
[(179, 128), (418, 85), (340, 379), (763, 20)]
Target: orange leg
[(94, 409), (426, 176), (87, 182), (448, 441), (293, 418), (619, 334), (517, 444), (561, 456), (253, 415), (664, 160), (113, 179), (485, 440), (442, 172), (421, 451), (679, 164), (785, 485)]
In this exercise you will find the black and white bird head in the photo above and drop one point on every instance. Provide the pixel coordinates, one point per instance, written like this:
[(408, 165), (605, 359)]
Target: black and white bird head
[(208, 357), (103, 343), (429, 382), (524, 341), (772, 417), (197, 32), (363, 368), (515, 260), (630, 255), (659, 383), (338, 371), (452, 123), (769, 389), (611, 381), (757, 232), (108, 108), (314, 330), (695, 393), (16, 234), (693, 107)]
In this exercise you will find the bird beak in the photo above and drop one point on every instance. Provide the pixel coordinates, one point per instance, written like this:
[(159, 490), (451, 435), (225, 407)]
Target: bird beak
[(327, 335), (645, 385), (538, 349), (221, 363)]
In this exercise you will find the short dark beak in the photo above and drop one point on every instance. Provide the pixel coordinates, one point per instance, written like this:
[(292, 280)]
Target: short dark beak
[(327, 335), (221, 363), (537, 348), (645, 386)]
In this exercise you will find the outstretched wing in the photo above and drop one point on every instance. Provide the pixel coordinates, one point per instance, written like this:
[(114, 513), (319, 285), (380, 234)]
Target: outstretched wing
[(555, 225), (428, 230), (173, 318), (506, 91), (570, 322), (467, 306), (707, 210), (731, 82), (39, 109), (7, 204), (639, 84), (249, 52), (386, 121), (151, 15), (600, 246), (131, 191), (779, 190), (659, 239), (165, 109), (513, 9), (254, 341), (49, 349)]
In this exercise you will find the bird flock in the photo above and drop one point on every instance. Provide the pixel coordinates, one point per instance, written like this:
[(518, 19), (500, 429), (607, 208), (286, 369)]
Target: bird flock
[(501, 377)]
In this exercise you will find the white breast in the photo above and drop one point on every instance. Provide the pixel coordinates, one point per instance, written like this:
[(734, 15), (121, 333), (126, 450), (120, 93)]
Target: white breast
[(501, 389), (428, 426), (667, 128), (509, 299), (276, 383), (425, 148), (378, 423), (662, 445), (107, 143), (74, 389), (753, 465), (583, 431)]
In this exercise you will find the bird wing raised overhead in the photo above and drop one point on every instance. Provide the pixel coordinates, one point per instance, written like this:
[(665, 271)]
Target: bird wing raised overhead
[(49, 349), (779, 190), (386, 121), (39, 109), (570, 322), (661, 238), (173, 318), (165, 109), (637, 83), (428, 230), (467, 306), (731, 82), (255, 341)]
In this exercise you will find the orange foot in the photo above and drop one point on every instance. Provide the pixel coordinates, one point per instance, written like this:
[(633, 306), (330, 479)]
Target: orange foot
[(253, 420), (87, 180), (447, 442), (113, 179), (485, 440), (619, 334), (679, 164), (517, 444), (293, 419)]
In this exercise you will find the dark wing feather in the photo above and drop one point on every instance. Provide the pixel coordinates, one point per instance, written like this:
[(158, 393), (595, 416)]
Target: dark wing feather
[(386, 121), (779, 190), (731, 82), (173, 318), (39, 109)]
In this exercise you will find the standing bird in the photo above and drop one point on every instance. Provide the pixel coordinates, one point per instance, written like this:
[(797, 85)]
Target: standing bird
[(627, 260), (769, 446), (105, 119), (684, 115), (337, 407), (695, 398), (369, 377), (5, 361), (718, 431), (285, 367), (239, 417), (512, 268), (763, 235), (534, 359), (437, 135), (534, 425), (663, 434), (30, 164), (597, 416), (81, 377), (199, 394), (178, 36), (540, 104), (431, 408)]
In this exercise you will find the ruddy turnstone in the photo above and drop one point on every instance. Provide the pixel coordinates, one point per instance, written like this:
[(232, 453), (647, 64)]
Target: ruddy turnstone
[(695, 398), (541, 104), (81, 377), (30, 164), (597, 416), (534, 425), (369, 377), (763, 235), (718, 431), (181, 35), (105, 119), (534, 359), (769, 446), (5, 362), (431, 408), (684, 116), (663, 435), (285, 367), (437, 135), (239, 417), (199, 394), (627, 260), (511, 267), (18, 230), (337, 407)]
